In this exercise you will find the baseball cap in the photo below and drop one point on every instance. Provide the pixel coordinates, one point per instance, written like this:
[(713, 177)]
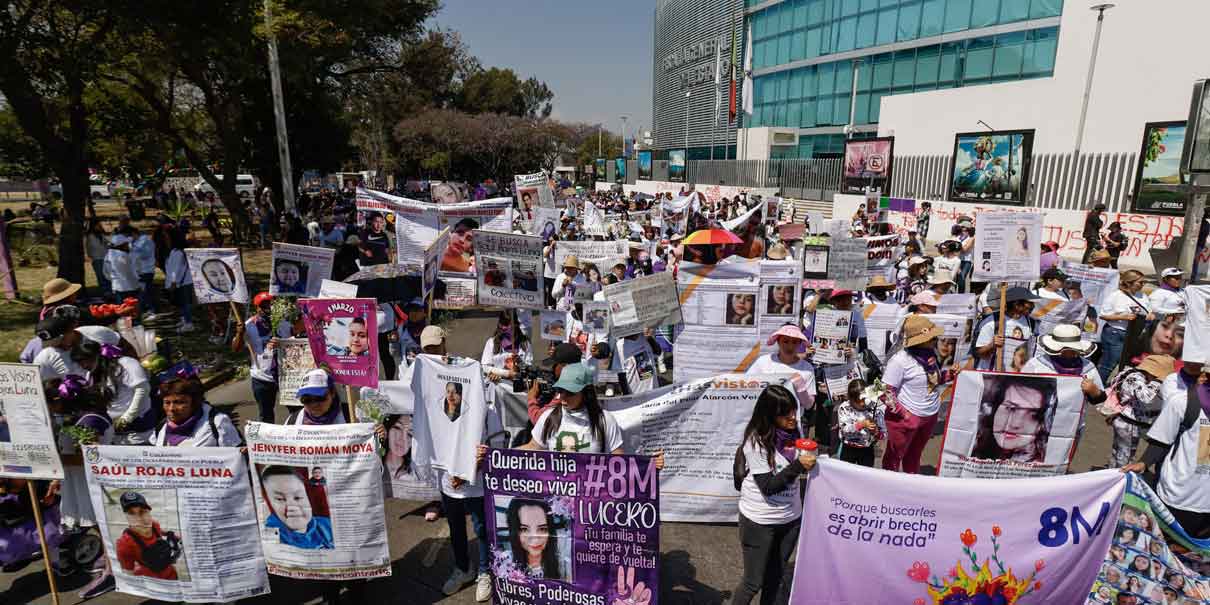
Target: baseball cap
[(315, 384), (574, 378), (1172, 272), (53, 327), (565, 353), (130, 500), (431, 336)]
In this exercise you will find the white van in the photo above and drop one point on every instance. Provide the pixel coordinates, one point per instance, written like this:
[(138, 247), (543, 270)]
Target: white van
[(245, 185)]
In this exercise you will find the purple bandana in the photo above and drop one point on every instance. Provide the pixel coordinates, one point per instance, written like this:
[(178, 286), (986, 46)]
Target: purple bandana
[(506, 338), (785, 442), (1067, 367), (1203, 395), (328, 418), (927, 358), (175, 433)]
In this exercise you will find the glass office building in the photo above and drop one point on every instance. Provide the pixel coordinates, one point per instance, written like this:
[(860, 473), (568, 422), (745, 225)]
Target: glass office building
[(819, 65)]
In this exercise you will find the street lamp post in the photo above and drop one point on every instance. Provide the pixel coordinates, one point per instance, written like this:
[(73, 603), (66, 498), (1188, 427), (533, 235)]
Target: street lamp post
[(624, 118), (1092, 68), (687, 95)]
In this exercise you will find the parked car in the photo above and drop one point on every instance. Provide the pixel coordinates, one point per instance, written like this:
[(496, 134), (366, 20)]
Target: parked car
[(245, 186)]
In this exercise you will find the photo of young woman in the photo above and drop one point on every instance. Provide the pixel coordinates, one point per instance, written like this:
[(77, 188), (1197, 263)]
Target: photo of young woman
[(779, 300), (534, 535), (740, 309), (453, 401), (1015, 418), (398, 459)]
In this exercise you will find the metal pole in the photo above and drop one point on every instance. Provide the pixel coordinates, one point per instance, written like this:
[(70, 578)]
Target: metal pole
[(853, 96), (1195, 213), (623, 137), (1092, 68), (279, 113), (687, 94), (599, 141)]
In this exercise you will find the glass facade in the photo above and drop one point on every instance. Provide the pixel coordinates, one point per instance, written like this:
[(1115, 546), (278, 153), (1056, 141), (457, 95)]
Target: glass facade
[(794, 30)]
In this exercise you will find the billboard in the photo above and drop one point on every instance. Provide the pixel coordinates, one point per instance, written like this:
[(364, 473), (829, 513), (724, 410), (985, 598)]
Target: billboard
[(676, 165), (867, 163), (991, 166), (1157, 185), (599, 167), (644, 166), (619, 168)]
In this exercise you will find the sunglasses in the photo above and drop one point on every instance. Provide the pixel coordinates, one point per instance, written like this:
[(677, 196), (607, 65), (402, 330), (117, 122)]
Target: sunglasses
[(309, 399)]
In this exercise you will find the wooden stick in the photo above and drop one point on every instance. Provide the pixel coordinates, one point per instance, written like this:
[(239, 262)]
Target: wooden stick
[(50, 575), (1000, 327), (352, 403)]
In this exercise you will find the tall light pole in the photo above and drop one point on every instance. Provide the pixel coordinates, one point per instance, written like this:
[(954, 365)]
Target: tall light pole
[(599, 127), (687, 95), (279, 114), (1092, 68), (623, 118)]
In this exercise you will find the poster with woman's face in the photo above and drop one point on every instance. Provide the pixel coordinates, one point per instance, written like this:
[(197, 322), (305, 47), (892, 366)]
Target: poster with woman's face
[(218, 275), (1012, 425), (344, 337), (299, 270)]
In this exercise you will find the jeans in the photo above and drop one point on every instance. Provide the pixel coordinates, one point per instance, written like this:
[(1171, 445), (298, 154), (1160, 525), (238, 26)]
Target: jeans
[(965, 269), (98, 267), (265, 393), (456, 510), (766, 551), (147, 301), (1113, 340), (907, 434), (857, 455), (182, 297)]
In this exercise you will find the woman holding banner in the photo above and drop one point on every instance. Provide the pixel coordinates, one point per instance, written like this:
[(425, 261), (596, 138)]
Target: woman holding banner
[(915, 379), (189, 420)]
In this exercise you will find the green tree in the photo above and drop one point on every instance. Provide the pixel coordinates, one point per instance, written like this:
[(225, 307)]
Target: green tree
[(497, 90)]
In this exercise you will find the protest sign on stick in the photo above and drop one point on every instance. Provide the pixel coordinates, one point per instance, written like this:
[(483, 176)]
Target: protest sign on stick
[(299, 270), (591, 553), (294, 360), (533, 191), (1008, 246), (218, 275), (830, 335), (344, 336), (178, 523), (27, 439), (335, 527)]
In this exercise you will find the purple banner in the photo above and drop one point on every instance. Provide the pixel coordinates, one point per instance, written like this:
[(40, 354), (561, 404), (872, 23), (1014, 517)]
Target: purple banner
[(572, 528), (344, 338)]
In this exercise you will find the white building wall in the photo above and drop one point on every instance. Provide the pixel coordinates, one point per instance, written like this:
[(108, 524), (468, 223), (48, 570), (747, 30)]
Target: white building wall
[(1151, 52)]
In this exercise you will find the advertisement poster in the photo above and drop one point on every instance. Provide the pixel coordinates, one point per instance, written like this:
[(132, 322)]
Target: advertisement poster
[(1157, 186), (299, 270), (344, 336), (600, 169), (294, 360), (218, 275), (318, 492), (1008, 246), (698, 425), (597, 521), (619, 168), (432, 263), (644, 166), (867, 164), (533, 191), (643, 302), (404, 479), (1022, 541), (1152, 557), (676, 165), (510, 270), (178, 523), (27, 438), (991, 166), (1005, 425)]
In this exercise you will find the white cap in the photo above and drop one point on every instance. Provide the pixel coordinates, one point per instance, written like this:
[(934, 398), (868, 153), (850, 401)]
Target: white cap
[(315, 384), (1172, 272), (100, 335)]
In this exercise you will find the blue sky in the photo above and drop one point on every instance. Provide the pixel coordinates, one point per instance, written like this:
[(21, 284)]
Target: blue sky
[(595, 56)]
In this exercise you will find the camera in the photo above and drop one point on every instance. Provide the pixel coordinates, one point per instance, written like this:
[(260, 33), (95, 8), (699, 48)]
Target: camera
[(526, 375)]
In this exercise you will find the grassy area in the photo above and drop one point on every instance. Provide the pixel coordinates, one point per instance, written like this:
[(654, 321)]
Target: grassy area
[(18, 318)]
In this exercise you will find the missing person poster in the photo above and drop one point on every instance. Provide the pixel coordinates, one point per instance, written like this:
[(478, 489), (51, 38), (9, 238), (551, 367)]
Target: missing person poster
[(596, 320), (218, 275), (533, 191), (416, 223), (815, 257), (848, 262), (1008, 246), (954, 541), (510, 270), (27, 436), (572, 528), (299, 270), (318, 491), (604, 254), (178, 523), (336, 289), (698, 425), (454, 291), (294, 360), (404, 479), (463, 219), (718, 302), (553, 325), (830, 335), (780, 295), (955, 342), (643, 302), (432, 263), (344, 336), (881, 319), (1004, 425), (545, 223)]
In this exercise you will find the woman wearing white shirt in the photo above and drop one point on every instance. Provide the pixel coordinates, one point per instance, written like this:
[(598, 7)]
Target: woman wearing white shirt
[(122, 381), (915, 379), (189, 420), (1050, 286), (786, 361), (1118, 310), (506, 349), (179, 282)]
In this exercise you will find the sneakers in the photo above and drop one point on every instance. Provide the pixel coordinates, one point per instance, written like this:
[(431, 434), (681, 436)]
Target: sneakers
[(457, 580), (483, 587), (98, 587)]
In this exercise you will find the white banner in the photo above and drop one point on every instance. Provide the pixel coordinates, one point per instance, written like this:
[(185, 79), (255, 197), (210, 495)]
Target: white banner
[(1004, 425), (603, 254), (299, 270), (1008, 246), (319, 497), (417, 225), (698, 425), (510, 270), (27, 439), (177, 522), (717, 302), (218, 275)]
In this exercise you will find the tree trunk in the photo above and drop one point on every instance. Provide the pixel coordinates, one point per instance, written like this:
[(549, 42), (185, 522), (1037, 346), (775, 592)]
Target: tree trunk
[(240, 225), (71, 231)]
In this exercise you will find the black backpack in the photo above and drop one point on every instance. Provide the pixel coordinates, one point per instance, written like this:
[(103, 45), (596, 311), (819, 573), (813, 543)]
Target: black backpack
[(162, 553)]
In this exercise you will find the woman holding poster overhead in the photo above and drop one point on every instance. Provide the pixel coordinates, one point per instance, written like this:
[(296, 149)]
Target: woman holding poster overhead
[(915, 379), (766, 471)]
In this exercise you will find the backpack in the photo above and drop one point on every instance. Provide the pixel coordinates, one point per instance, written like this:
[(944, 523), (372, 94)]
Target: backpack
[(1193, 406), (162, 553)]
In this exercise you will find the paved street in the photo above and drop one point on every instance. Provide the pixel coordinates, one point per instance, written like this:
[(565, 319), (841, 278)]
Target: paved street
[(700, 562)]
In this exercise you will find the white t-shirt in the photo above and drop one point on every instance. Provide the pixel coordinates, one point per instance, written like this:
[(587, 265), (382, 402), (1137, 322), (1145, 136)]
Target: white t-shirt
[(443, 442), (904, 373), (802, 370), (780, 508), (1048, 295), (1161, 298), (57, 363), (491, 426), (575, 435), (491, 359), (947, 266), (202, 435), (1117, 303), (1184, 479)]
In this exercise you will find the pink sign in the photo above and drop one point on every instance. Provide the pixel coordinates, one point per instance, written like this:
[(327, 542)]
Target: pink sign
[(343, 333)]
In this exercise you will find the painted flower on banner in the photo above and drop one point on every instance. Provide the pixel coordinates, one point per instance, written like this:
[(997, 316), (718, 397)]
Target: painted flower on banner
[(504, 568), (976, 584), (562, 506)]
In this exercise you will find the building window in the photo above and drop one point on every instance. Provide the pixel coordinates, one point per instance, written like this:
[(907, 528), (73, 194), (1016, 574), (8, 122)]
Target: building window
[(909, 22), (888, 25), (979, 55), (985, 13), (932, 17), (1011, 11), (957, 15), (1009, 54), (1039, 9)]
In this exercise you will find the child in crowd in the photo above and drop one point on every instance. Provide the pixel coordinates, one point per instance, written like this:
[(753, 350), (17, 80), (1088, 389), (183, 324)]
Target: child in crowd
[(862, 425)]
